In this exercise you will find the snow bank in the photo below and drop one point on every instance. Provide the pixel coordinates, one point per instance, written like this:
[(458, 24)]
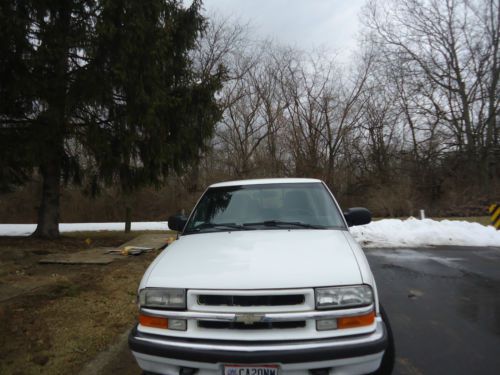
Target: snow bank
[(427, 232), (27, 229), (382, 233)]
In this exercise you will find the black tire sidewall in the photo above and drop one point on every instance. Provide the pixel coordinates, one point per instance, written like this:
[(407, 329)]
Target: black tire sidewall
[(389, 358)]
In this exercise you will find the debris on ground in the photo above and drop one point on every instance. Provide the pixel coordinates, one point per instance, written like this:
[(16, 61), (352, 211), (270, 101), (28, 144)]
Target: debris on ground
[(105, 255), (130, 250), (153, 241)]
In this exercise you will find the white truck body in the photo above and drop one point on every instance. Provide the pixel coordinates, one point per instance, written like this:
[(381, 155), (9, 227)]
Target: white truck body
[(275, 272)]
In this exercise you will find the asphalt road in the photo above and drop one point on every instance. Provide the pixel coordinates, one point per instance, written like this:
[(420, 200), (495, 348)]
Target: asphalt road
[(444, 308)]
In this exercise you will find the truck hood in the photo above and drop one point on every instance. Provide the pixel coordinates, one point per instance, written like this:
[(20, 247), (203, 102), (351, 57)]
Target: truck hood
[(256, 259)]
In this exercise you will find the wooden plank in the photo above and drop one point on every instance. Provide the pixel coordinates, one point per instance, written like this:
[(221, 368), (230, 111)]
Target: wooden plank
[(91, 256)]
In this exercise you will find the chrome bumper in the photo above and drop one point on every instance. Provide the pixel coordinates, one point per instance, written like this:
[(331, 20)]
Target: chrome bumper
[(216, 351)]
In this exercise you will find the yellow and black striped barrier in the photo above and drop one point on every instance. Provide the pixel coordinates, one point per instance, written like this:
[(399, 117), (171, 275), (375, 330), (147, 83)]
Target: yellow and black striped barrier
[(495, 215)]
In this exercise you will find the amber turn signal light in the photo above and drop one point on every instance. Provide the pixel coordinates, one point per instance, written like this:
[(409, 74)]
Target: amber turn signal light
[(153, 321), (356, 321)]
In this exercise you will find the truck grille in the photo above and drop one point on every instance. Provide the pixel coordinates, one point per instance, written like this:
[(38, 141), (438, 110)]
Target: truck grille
[(253, 326), (245, 300), (258, 302)]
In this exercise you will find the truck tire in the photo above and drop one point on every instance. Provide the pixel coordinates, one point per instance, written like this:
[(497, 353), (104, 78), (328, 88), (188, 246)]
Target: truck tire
[(387, 364)]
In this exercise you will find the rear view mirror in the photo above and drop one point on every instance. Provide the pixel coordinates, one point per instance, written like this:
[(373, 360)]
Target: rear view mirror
[(177, 222), (357, 216)]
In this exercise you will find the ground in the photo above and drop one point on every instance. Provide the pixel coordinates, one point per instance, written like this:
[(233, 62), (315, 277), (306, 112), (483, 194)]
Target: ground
[(444, 307), (56, 318), (443, 304)]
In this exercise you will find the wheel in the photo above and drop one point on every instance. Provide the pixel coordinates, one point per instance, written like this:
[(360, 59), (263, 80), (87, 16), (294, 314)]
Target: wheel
[(387, 364)]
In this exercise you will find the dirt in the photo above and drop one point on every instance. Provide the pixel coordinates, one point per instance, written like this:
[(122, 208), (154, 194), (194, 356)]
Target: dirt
[(116, 360), (56, 318)]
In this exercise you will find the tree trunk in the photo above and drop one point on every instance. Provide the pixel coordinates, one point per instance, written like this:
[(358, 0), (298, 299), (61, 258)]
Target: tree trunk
[(128, 219), (48, 212), (55, 121)]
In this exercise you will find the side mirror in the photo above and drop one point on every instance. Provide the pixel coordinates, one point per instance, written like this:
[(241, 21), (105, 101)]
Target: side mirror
[(357, 216), (177, 222)]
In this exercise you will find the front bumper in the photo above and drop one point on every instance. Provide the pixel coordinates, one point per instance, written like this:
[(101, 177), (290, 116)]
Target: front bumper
[(325, 351)]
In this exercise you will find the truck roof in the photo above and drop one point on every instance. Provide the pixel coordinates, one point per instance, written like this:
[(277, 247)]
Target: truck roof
[(263, 181)]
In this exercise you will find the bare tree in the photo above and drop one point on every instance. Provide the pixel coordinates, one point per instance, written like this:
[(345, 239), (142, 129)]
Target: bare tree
[(217, 50), (449, 51), (253, 113), (324, 107)]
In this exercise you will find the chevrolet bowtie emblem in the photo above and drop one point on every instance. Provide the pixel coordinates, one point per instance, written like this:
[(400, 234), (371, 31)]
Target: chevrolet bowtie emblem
[(249, 318)]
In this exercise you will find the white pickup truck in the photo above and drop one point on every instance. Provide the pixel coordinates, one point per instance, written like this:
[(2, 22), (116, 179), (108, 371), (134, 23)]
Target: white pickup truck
[(264, 279)]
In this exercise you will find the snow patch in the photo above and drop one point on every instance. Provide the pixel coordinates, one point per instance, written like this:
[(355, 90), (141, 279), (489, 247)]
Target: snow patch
[(27, 229), (420, 233)]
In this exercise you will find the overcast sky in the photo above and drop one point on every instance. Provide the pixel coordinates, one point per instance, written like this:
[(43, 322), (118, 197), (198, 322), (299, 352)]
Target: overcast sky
[(302, 23)]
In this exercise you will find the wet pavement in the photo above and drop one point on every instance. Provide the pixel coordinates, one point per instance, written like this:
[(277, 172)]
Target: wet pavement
[(444, 307)]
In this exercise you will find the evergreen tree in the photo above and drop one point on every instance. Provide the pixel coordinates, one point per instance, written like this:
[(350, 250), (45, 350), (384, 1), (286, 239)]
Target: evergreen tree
[(99, 92)]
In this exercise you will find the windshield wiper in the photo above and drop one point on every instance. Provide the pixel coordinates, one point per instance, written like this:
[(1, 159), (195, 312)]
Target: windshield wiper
[(278, 223), (218, 226)]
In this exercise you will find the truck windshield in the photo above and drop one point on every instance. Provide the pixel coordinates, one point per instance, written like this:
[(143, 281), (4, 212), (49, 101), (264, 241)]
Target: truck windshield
[(265, 206)]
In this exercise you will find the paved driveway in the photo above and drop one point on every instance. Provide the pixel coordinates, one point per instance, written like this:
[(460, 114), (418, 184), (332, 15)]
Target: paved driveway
[(444, 306)]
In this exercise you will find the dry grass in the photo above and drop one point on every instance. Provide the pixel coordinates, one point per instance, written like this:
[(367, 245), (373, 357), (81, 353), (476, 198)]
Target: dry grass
[(63, 315), (147, 204)]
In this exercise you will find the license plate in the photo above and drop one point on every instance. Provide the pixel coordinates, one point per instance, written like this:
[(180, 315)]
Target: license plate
[(251, 370)]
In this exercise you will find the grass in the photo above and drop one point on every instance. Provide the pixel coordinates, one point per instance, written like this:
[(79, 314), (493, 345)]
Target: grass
[(64, 289), (54, 318), (114, 234)]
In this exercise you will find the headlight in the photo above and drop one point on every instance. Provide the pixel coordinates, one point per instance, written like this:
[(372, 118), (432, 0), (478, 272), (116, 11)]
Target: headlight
[(344, 296), (163, 298)]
